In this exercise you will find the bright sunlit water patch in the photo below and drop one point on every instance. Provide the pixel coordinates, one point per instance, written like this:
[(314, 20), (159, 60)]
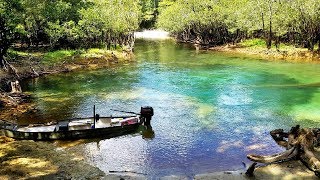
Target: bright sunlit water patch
[(152, 34), (211, 109)]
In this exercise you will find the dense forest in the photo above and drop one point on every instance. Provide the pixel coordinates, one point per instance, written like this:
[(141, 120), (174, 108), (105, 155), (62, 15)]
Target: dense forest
[(70, 23), (216, 22), (98, 23)]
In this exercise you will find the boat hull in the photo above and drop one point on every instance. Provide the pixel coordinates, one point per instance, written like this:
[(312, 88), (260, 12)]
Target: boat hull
[(73, 134)]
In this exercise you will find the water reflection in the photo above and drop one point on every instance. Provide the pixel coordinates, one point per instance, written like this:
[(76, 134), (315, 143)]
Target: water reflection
[(210, 109), (147, 132)]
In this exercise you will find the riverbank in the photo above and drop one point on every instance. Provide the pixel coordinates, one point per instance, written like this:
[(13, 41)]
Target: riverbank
[(32, 64), (257, 48), (299, 55), (199, 108), (287, 170), (42, 160), (293, 169), (45, 160)]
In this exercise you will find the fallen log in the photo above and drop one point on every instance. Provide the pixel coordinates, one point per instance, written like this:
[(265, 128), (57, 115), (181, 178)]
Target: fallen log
[(299, 142)]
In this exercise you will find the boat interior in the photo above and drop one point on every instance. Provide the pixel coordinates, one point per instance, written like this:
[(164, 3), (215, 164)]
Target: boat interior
[(80, 124)]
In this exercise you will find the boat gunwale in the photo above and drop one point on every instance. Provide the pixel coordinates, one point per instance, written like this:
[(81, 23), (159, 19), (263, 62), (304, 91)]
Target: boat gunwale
[(107, 132), (15, 126)]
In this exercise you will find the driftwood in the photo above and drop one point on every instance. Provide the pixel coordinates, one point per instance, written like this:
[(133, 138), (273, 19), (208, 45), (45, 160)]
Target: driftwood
[(299, 144), (250, 170)]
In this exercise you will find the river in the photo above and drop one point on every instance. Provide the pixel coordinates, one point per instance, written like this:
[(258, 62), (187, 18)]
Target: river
[(211, 109)]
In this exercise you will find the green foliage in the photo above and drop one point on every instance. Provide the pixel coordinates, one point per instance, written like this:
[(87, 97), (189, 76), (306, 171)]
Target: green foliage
[(69, 23), (108, 22), (307, 21), (53, 57), (96, 53), (149, 13), (10, 17), (201, 21), (101, 23), (116, 16), (296, 21), (253, 43), (15, 53)]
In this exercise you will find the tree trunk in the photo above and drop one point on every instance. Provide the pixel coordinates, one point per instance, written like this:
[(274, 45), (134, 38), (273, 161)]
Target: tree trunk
[(2, 62), (311, 44), (263, 26), (269, 41), (15, 87), (5, 65), (277, 43), (4, 43), (3, 52)]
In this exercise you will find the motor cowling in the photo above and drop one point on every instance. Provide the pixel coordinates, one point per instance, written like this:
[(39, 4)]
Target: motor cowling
[(146, 114), (146, 111)]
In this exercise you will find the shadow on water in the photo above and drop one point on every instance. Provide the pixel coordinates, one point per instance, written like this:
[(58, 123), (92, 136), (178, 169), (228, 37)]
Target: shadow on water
[(207, 106), (146, 132)]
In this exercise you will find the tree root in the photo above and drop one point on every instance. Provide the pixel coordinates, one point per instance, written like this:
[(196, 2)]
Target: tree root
[(299, 142), (9, 68), (250, 170), (286, 155)]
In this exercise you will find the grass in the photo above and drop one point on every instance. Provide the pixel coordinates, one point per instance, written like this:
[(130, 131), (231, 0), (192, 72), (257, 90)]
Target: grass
[(95, 53), (12, 52), (253, 43), (54, 57), (16, 55), (64, 56), (261, 44)]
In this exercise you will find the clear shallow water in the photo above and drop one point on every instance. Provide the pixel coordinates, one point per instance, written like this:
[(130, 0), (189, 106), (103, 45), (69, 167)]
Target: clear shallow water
[(211, 109)]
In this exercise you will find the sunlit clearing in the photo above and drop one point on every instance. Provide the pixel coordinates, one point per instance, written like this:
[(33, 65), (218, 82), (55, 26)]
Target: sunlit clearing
[(274, 170), (152, 34), (2, 154), (288, 173), (4, 148), (4, 177), (33, 167)]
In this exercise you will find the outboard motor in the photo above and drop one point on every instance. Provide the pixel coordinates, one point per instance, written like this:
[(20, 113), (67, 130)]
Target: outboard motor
[(146, 114)]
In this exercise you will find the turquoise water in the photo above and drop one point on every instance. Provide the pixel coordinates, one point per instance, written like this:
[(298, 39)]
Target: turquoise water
[(211, 109)]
